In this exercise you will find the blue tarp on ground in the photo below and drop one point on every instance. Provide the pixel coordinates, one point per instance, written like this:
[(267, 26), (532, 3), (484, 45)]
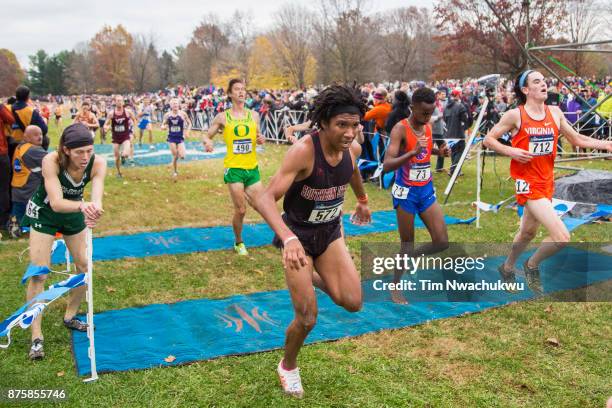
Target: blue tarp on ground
[(159, 153), (194, 330), (187, 240)]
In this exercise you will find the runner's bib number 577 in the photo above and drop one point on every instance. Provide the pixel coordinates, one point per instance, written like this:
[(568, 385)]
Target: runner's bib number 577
[(325, 212)]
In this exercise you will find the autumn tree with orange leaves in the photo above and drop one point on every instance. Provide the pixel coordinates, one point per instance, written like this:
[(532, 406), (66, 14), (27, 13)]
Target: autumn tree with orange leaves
[(10, 72), (111, 49)]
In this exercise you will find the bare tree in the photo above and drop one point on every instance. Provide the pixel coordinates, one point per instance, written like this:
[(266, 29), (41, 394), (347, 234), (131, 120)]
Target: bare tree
[(206, 49), (583, 22), (193, 65), (81, 79), (144, 62), (349, 38), (241, 33), (290, 38), (399, 42), (211, 35), (167, 70)]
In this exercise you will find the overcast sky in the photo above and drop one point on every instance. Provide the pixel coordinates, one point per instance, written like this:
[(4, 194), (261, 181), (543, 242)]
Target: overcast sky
[(60, 25)]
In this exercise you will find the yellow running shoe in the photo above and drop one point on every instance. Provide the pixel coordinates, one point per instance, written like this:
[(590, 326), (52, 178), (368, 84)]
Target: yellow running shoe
[(241, 249)]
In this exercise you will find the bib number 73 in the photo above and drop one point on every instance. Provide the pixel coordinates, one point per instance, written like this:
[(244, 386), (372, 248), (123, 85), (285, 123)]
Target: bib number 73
[(399, 192)]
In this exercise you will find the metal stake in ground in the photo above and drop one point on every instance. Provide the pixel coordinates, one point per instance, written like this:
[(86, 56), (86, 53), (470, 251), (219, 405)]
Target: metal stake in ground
[(91, 351)]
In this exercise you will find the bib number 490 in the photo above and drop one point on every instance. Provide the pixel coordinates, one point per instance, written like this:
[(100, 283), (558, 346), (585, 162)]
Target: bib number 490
[(243, 146)]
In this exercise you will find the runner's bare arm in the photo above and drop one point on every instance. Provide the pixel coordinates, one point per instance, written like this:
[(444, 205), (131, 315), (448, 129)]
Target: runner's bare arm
[(363, 215), (109, 118), (300, 127), (360, 137), (295, 162), (164, 124), (577, 139), (443, 150), (217, 124), (507, 123), (50, 171), (131, 115), (356, 181), (393, 159), (93, 210), (188, 123), (92, 124), (260, 138)]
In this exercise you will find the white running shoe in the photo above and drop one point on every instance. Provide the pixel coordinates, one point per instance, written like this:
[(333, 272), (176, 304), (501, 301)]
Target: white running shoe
[(290, 381)]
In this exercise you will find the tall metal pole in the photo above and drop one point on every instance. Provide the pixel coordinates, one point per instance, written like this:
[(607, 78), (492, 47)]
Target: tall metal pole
[(528, 22), (478, 182), (91, 350), (582, 50), (548, 47)]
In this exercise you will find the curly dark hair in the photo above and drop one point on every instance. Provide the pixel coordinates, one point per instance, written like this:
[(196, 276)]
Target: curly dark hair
[(331, 98), (423, 95)]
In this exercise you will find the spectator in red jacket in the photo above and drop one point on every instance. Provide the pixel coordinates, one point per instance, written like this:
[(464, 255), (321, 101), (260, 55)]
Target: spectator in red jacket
[(381, 110)]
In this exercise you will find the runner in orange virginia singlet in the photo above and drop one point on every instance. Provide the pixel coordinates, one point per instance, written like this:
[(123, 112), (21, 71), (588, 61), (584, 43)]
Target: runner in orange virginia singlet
[(534, 179), (535, 128)]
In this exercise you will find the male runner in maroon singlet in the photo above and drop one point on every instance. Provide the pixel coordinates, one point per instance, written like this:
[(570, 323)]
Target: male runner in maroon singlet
[(313, 177), (118, 121)]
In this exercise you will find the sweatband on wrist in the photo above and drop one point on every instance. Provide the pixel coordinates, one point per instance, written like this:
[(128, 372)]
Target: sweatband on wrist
[(289, 240)]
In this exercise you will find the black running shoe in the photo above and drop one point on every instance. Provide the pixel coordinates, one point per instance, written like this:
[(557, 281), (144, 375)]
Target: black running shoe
[(13, 228), (532, 275), (36, 350), (75, 324)]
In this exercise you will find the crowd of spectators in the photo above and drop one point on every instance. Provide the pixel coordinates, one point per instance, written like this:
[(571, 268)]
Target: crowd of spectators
[(458, 102)]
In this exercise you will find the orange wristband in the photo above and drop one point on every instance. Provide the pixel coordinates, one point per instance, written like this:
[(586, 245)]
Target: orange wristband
[(363, 199)]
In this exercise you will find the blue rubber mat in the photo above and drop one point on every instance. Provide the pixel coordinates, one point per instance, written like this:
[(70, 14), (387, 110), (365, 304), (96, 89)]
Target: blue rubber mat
[(194, 330), (187, 240), (159, 153)]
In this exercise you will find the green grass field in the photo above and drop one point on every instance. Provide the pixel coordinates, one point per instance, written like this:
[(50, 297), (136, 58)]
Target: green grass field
[(497, 358)]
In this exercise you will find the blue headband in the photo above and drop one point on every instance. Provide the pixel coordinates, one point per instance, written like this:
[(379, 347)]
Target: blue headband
[(524, 77)]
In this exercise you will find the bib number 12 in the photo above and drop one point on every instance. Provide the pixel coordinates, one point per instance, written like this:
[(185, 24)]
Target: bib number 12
[(521, 187)]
